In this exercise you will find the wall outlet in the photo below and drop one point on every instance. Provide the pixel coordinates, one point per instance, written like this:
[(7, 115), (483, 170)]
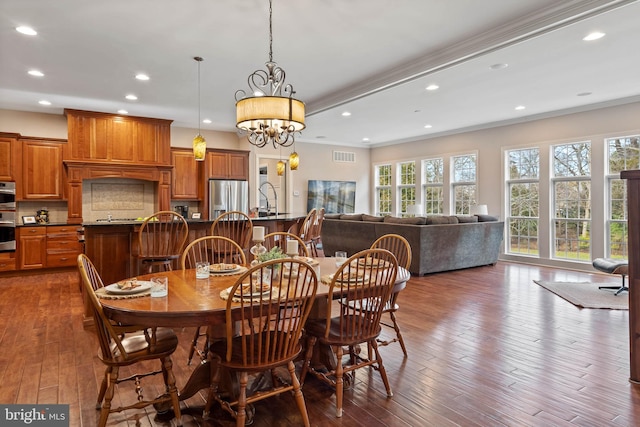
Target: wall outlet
[(296, 193)]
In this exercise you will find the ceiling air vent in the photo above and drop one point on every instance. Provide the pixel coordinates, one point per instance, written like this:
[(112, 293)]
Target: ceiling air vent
[(344, 157)]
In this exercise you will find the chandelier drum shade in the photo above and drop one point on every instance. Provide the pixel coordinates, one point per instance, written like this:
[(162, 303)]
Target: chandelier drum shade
[(268, 112)]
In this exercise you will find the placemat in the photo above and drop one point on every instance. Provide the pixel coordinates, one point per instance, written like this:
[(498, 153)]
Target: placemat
[(102, 293), (241, 270), (224, 294)]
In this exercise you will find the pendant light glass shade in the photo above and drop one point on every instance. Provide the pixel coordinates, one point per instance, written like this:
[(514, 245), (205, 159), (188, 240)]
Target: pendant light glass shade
[(280, 167), (199, 143), (199, 147), (294, 161)]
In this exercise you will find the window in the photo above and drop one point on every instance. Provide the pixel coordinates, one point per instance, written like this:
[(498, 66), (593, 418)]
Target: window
[(433, 170), (523, 200), (407, 185), (623, 153), (464, 183), (571, 181), (383, 190)]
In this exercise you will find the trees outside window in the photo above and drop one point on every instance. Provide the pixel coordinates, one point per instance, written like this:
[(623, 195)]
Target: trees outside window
[(571, 183), (622, 154), (406, 186), (383, 190), (433, 170), (463, 184), (523, 201)]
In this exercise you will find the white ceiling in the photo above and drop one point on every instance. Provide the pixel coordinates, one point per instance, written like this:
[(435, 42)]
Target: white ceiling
[(373, 58)]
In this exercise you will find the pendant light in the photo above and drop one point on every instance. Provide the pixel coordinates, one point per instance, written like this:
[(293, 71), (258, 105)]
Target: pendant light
[(199, 143), (294, 160)]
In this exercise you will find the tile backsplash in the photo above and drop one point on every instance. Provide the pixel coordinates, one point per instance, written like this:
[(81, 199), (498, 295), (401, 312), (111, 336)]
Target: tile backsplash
[(118, 197)]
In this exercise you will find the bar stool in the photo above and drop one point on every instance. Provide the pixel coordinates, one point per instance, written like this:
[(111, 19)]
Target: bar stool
[(613, 266), (161, 239)]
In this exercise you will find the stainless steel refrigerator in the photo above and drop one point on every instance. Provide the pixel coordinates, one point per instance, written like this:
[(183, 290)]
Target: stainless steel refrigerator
[(227, 195)]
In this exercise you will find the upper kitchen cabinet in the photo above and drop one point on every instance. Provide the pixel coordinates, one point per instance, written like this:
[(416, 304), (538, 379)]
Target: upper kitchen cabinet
[(9, 168), (105, 137), (186, 183), (227, 164), (42, 169)]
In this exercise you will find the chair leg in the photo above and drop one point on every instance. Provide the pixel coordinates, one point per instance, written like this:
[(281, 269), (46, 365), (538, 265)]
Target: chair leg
[(112, 378), (297, 394), (383, 372), (170, 383), (339, 380), (103, 387), (311, 342), (396, 327), (194, 344), (619, 289), (241, 414)]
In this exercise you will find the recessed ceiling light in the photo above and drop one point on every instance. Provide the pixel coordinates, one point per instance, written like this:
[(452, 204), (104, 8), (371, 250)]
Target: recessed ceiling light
[(26, 30), (346, 114), (35, 73), (123, 112), (498, 66), (428, 126), (584, 94), (365, 140), (207, 121), (44, 102), (131, 97), (520, 107), (593, 36), (321, 137), (433, 86), (142, 76)]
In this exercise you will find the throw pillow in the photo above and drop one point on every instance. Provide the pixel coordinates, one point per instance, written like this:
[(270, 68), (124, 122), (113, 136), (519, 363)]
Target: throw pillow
[(485, 218), (418, 220), (372, 218), (441, 219), (467, 218), (352, 217)]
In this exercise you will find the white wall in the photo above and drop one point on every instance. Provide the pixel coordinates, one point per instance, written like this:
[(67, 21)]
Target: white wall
[(490, 144)]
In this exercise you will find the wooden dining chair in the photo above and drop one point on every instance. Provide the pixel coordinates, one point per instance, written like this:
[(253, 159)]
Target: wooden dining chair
[(305, 229), (215, 250), (280, 238), (270, 338), (161, 239), (363, 284), (234, 225), (124, 346), (316, 233), (398, 246)]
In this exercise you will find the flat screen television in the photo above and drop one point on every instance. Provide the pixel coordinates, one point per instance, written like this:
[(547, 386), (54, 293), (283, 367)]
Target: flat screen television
[(333, 196)]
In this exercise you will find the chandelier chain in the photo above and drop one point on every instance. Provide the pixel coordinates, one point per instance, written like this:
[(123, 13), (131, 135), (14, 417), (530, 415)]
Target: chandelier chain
[(270, 31)]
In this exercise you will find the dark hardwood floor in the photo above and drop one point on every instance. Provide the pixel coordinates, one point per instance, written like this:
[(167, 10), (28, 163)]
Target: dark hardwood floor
[(487, 347)]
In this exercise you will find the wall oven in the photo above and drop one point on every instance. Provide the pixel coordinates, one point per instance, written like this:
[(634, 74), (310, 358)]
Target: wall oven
[(7, 216)]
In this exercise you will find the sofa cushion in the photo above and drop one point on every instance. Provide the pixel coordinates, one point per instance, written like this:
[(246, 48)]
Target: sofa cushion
[(372, 218), (441, 219), (486, 218), (418, 220), (332, 216), (467, 218), (351, 217)]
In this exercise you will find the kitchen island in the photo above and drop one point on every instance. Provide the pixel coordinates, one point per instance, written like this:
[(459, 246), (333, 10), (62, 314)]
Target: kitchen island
[(113, 246)]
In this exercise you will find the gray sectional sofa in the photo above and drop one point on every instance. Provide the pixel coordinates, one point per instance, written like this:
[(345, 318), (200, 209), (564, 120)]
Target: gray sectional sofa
[(438, 242)]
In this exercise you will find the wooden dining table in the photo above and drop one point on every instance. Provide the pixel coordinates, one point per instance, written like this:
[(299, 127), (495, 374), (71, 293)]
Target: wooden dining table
[(197, 302), (194, 302)]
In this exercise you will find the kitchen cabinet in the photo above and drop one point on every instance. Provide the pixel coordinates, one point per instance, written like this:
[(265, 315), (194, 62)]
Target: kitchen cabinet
[(227, 164), (121, 139), (42, 169), (186, 183), (63, 246), (9, 168), (7, 261), (47, 246), (32, 247)]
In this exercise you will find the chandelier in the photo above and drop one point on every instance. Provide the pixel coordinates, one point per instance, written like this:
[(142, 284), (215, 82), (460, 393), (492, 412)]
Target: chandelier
[(199, 143), (269, 113)]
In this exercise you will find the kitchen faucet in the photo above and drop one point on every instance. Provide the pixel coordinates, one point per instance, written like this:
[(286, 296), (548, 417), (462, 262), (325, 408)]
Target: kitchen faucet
[(275, 195)]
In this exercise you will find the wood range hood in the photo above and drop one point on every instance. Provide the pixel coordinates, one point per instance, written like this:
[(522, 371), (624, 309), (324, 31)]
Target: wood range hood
[(104, 145)]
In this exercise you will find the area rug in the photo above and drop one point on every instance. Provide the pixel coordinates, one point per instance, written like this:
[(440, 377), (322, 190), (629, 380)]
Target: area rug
[(587, 295)]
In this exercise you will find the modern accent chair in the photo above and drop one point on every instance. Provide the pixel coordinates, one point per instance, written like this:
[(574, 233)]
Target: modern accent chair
[(124, 346), (613, 266)]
